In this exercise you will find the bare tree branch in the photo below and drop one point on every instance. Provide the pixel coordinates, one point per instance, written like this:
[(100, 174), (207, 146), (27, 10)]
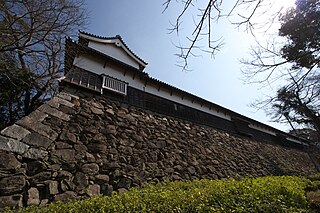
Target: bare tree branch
[(33, 32), (206, 21)]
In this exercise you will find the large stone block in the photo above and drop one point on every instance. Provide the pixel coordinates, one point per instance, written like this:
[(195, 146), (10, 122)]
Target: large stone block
[(17, 146), (12, 145), (68, 195), (110, 111), (93, 190), (35, 167), (62, 145), (97, 148), (56, 101), (102, 179), (35, 124), (96, 111), (111, 129), (80, 148), (15, 131), (12, 201), (54, 112), (34, 153), (90, 168), (67, 185), (90, 157), (67, 96), (12, 185), (68, 136), (33, 197), (4, 143), (37, 140), (8, 161), (65, 154), (33, 117), (53, 187), (81, 181), (97, 105), (40, 178)]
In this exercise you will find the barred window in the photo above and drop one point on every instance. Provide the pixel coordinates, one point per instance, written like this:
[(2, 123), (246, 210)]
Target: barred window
[(84, 78), (114, 85)]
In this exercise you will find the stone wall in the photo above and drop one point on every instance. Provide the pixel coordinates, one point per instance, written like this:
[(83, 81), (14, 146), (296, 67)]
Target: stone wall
[(83, 144)]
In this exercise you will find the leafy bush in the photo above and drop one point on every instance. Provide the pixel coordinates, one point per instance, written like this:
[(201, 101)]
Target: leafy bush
[(266, 194), (313, 185), (314, 177)]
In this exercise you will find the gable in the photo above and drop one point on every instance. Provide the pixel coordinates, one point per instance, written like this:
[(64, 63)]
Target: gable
[(115, 49)]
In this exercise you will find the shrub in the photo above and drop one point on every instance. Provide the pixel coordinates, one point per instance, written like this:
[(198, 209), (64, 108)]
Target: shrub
[(314, 177), (266, 194)]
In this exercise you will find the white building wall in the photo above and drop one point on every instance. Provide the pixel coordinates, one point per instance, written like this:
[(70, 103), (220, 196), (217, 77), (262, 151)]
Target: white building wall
[(97, 66)]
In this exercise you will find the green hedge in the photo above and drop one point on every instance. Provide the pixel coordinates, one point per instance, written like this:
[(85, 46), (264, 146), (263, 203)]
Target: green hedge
[(266, 194)]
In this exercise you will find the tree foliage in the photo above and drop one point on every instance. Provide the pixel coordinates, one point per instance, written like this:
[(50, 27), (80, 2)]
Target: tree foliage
[(296, 60), (298, 104), (301, 25), (32, 34)]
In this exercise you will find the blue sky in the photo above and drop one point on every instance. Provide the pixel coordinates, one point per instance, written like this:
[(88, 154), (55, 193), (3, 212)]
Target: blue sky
[(144, 28)]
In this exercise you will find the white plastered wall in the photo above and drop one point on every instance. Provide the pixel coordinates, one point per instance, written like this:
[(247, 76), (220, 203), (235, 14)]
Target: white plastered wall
[(97, 66), (114, 51)]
